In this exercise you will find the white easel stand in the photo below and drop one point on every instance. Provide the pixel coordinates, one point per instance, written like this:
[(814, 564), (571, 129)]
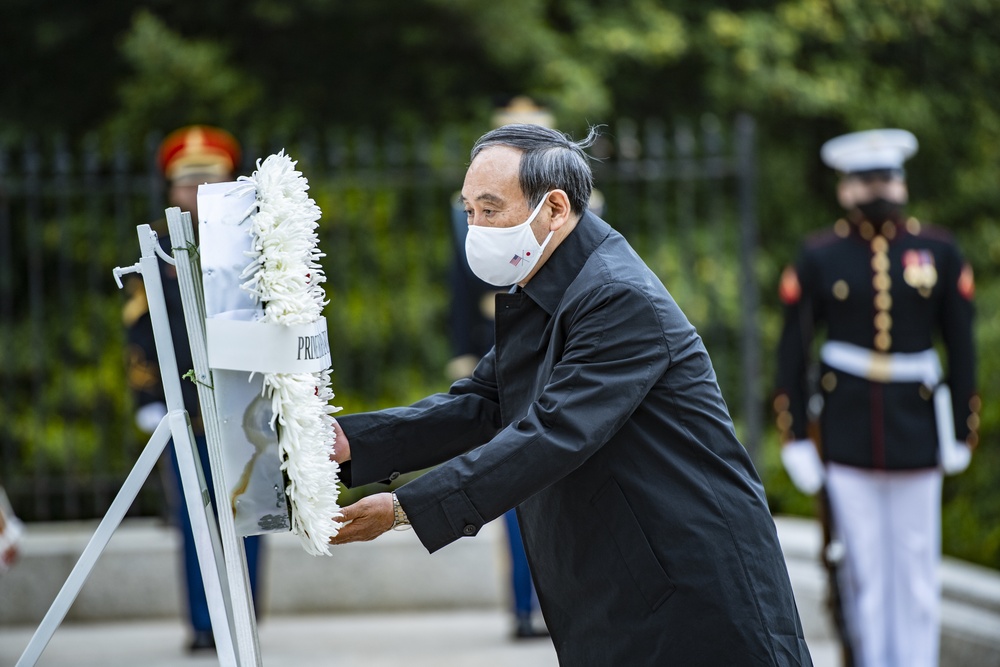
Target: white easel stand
[(226, 582), (238, 596)]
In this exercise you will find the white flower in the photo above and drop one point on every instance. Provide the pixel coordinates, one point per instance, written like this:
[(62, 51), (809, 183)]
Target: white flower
[(285, 274)]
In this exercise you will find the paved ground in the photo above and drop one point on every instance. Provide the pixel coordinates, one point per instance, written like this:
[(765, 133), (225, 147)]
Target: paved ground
[(427, 639), (122, 618), (437, 630), (399, 606)]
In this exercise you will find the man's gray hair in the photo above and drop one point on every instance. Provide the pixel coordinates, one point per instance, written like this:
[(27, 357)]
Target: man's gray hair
[(551, 160)]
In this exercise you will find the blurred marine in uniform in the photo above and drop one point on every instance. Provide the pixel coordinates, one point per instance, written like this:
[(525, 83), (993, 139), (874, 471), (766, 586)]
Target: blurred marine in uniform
[(882, 289), (188, 157)]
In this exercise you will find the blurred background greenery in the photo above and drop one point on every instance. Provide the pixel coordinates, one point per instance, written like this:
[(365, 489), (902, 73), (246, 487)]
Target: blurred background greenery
[(110, 75)]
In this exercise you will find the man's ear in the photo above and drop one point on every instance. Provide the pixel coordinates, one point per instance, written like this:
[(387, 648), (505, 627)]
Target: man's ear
[(561, 209)]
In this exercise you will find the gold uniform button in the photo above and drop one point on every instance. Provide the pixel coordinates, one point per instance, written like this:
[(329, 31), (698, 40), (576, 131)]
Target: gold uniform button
[(781, 402), (913, 226), (879, 244), (975, 404), (880, 262), (883, 341), (842, 228), (841, 290), (829, 382), (882, 282), (973, 422), (883, 301), (883, 321)]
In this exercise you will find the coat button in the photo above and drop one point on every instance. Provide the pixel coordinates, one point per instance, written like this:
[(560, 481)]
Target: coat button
[(393, 476), (469, 530)]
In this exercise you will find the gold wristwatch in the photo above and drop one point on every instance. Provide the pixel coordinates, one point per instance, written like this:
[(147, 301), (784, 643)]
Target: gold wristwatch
[(399, 520)]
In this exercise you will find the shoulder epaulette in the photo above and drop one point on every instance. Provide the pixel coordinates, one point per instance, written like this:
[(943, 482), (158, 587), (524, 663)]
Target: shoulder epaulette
[(924, 230), (823, 237), (137, 305)]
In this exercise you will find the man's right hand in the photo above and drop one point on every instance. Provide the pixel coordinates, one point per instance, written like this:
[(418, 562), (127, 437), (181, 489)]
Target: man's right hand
[(341, 446), (365, 520)]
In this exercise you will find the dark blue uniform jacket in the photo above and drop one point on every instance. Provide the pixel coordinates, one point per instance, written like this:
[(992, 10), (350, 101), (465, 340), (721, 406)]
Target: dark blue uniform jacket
[(904, 288)]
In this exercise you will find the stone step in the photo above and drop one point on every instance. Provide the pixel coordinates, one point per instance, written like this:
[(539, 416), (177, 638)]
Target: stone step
[(138, 577)]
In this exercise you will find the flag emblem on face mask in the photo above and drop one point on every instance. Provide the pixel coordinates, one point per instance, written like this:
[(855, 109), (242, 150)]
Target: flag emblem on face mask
[(515, 260)]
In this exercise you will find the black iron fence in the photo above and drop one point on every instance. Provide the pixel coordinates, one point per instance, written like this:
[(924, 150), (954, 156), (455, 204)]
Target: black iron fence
[(682, 192)]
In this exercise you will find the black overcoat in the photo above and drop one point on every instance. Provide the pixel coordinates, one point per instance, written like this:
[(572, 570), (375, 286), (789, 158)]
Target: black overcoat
[(598, 414)]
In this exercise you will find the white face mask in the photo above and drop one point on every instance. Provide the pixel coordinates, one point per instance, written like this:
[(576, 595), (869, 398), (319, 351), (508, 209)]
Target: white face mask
[(504, 256)]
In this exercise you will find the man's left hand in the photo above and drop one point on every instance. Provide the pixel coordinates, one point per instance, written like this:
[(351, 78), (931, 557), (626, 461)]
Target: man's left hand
[(366, 519), (341, 446)]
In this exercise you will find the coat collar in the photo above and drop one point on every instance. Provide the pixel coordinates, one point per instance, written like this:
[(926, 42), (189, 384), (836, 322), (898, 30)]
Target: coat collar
[(546, 288)]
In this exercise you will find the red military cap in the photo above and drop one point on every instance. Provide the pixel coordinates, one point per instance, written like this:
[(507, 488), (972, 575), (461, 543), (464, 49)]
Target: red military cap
[(197, 151)]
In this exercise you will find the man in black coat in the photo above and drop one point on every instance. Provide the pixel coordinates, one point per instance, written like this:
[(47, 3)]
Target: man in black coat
[(880, 288), (597, 414)]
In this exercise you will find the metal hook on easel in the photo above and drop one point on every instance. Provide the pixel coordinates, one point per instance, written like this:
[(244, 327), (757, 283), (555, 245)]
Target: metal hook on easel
[(120, 271), (151, 241)]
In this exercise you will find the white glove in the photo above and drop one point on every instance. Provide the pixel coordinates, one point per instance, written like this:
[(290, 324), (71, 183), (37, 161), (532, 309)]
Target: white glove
[(955, 459), (10, 535), (148, 417), (803, 464), (9, 540)]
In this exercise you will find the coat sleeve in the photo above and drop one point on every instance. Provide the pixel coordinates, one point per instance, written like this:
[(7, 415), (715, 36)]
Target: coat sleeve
[(391, 442), (956, 329), (614, 350), (800, 319), (142, 367)]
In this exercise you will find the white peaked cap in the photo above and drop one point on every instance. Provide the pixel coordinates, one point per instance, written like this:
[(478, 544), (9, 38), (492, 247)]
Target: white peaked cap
[(872, 149)]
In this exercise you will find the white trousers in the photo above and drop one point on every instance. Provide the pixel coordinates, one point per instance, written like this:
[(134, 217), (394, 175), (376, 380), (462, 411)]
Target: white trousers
[(890, 526)]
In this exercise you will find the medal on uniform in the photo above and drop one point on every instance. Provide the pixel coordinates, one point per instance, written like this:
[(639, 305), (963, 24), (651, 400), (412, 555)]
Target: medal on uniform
[(919, 271)]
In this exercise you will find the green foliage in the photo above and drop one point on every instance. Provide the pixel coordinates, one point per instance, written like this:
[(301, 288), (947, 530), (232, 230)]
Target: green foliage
[(837, 66), (566, 51), (74, 377), (806, 69), (387, 287), (178, 81)]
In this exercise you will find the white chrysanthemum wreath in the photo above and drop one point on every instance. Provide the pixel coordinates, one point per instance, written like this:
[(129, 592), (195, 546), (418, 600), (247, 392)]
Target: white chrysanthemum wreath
[(287, 278)]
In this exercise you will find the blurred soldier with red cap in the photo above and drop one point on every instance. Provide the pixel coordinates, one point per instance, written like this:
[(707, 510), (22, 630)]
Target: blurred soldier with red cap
[(194, 155), (883, 288), (187, 157)]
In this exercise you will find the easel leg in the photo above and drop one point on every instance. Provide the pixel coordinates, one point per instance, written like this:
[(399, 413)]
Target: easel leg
[(239, 596), (208, 544), (126, 496)]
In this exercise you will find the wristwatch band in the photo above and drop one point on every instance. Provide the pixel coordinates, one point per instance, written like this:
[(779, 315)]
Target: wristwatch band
[(399, 520)]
